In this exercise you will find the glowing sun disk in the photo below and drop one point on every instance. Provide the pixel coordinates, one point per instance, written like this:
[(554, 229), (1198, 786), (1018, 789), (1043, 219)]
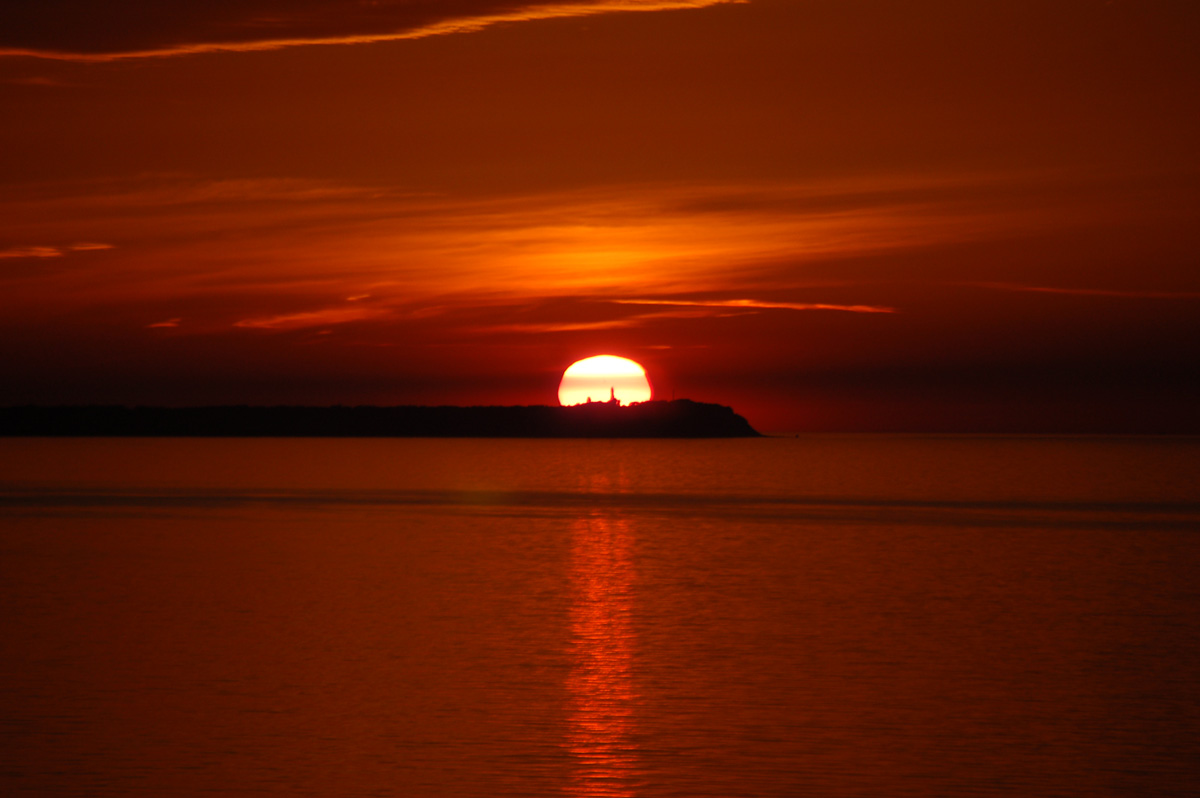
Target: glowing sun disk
[(600, 378)]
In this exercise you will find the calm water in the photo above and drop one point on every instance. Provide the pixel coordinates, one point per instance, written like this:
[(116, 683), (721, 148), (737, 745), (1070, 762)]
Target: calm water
[(825, 616)]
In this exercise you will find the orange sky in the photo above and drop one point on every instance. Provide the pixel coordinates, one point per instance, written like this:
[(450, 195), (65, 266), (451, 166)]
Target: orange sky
[(830, 214)]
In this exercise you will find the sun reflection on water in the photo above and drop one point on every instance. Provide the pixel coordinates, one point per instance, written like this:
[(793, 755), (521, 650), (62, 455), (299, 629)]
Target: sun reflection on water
[(600, 686)]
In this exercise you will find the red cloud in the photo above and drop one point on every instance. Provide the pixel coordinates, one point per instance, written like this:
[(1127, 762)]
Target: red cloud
[(99, 30)]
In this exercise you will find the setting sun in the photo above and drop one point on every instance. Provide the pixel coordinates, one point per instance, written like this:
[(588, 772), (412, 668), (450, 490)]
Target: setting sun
[(603, 378)]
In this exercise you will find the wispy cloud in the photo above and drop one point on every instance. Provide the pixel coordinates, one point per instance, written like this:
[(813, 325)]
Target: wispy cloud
[(31, 252), (1104, 292), (688, 310), (40, 81), (54, 29), (164, 324), (313, 318), (336, 253), (558, 326), (756, 303), (51, 252)]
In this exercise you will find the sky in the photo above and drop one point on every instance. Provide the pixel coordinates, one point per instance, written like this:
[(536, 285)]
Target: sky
[(831, 215)]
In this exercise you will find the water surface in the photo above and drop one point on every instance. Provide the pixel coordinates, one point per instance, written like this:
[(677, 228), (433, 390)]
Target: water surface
[(830, 615)]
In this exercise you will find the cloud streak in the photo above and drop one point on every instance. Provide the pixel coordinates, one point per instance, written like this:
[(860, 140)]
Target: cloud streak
[(280, 255), (677, 309), (315, 318), (51, 252), (63, 30), (1100, 292), (756, 303)]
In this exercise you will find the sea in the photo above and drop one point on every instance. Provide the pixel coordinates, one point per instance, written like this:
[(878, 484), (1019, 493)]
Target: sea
[(822, 615)]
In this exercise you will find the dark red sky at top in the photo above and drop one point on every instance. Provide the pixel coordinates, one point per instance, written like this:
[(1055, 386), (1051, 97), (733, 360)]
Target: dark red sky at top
[(829, 214)]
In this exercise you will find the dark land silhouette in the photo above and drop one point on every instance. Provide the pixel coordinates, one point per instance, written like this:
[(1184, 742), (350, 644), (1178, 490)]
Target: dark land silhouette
[(681, 418)]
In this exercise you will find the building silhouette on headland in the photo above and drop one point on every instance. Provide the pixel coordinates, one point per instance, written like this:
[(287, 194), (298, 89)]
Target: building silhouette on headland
[(612, 398)]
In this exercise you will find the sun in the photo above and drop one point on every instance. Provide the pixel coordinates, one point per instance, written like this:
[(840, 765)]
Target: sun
[(602, 378)]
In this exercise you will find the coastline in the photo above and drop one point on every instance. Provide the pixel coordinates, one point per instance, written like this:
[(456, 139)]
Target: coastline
[(679, 418)]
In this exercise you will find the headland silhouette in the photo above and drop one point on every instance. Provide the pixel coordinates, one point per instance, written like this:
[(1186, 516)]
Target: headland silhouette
[(679, 418)]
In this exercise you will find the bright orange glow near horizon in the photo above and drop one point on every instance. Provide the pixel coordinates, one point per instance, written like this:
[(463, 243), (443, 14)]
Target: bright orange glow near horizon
[(602, 378)]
